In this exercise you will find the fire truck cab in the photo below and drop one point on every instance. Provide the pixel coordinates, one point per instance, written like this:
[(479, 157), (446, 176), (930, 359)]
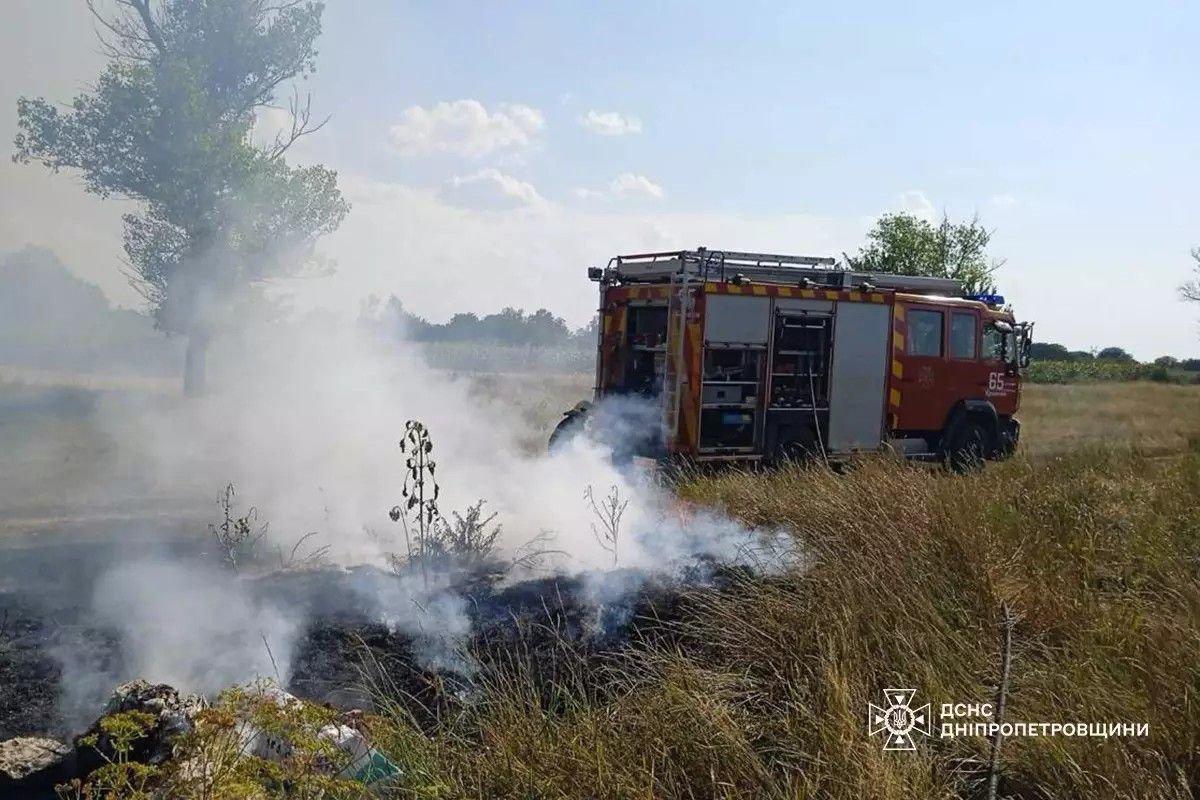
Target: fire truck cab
[(764, 357)]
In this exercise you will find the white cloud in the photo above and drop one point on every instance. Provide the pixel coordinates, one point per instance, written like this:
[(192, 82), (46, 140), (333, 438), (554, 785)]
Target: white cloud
[(610, 123), (630, 185), (466, 128), (624, 185), (1002, 202), (530, 256), (490, 188), (916, 203)]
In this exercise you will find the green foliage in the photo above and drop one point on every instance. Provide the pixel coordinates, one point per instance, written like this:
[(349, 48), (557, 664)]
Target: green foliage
[(1048, 351), (510, 326), (468, 540), (168, 123), (120, 776), (903, 244), (214, 761), (1115, 354), (1101, 369), (49, 318)]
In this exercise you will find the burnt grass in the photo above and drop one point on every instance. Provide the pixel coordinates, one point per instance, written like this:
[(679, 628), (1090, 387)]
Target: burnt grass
[(550, 625)]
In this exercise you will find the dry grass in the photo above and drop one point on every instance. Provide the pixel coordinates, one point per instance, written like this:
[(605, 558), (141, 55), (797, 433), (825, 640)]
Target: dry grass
[(1153, 417), (537, 401), (762, 691)]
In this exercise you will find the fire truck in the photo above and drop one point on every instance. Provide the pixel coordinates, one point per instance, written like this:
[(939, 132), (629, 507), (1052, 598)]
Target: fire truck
[(756, 357)]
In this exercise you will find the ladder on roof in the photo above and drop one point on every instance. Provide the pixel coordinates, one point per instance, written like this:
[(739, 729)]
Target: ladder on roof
[(725, 265)]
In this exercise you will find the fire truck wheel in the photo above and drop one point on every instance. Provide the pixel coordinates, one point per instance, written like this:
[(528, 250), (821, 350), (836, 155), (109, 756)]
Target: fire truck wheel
[(966, 446), (1007, 438)]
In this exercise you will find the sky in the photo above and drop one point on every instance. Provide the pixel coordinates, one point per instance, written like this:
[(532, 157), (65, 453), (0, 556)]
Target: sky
[(493, 151)]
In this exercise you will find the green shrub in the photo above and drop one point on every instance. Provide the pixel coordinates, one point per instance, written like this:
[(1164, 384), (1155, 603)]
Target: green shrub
[(1094, 370)]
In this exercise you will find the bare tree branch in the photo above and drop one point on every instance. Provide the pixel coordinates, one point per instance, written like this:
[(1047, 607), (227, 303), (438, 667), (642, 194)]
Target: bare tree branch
[(300, 125), (1191, 289), (152, 32), (130, 38)]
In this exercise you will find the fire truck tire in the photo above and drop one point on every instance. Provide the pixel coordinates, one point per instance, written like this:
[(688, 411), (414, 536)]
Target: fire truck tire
[(966, 445), (1007, 437)]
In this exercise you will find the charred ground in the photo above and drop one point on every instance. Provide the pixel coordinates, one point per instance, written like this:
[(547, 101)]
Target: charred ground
[(344, 645)]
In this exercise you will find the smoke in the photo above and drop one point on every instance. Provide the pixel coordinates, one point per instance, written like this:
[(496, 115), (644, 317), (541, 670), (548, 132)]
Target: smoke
[(424, 607), (305, 418), (194, 627)]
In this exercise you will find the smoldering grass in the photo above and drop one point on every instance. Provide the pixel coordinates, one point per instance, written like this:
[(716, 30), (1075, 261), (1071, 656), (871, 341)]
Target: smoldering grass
[(758, 687)]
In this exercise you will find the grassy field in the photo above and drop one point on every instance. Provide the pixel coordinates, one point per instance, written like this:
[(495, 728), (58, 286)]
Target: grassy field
[(1090, 537), (1153, 418), (763, 690)]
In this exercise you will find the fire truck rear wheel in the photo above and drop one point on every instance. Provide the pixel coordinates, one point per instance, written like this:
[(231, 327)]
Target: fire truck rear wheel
[(967, 446)]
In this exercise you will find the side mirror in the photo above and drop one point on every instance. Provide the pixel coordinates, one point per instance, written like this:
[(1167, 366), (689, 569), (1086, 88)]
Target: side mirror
[(1007, 342)]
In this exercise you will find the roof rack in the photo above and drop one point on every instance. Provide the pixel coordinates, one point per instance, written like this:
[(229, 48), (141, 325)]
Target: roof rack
[(733, 265)]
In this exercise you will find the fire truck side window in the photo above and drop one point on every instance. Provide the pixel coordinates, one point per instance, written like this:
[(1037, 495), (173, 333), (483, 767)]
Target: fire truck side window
[(962, 335), (924, 333)]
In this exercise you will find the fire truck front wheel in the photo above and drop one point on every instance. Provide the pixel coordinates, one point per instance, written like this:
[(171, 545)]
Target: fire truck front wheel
[(966, 446)]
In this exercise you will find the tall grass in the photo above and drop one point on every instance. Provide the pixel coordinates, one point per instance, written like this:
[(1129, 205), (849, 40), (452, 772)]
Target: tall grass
[(761, 689)]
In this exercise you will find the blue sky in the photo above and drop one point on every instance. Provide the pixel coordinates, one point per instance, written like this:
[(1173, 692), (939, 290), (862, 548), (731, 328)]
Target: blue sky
[(460, 131), (826, 107)]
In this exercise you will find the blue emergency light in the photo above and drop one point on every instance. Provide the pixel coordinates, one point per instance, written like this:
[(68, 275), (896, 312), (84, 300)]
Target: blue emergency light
[(990, 299)]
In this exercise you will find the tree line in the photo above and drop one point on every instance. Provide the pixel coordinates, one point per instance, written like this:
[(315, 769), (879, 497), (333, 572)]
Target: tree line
[(1050, 351), (169, 124), (509, 326)]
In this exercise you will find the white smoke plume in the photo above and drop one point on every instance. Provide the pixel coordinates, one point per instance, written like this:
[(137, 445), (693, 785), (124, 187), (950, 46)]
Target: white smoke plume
[(304, 418)]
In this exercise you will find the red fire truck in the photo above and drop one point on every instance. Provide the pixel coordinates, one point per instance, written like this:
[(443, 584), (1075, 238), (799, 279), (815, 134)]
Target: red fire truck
[(762, 357)]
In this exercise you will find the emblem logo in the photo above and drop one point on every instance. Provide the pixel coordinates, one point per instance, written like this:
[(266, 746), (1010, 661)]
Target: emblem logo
[(898, 719)]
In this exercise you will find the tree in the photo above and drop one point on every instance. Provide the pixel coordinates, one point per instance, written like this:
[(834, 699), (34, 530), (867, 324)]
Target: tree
[(168, 124), (1115, 354), (902, 244), (1048, 351)]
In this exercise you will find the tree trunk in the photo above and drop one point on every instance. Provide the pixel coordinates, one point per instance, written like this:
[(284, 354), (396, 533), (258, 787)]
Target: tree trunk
[(195, 379)]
